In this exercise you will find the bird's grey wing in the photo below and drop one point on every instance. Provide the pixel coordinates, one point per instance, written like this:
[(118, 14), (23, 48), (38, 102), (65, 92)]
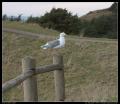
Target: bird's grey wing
[(53, 43)]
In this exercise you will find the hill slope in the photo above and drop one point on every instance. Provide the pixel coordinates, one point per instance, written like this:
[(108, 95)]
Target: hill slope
[(97, 13), (90, 67)]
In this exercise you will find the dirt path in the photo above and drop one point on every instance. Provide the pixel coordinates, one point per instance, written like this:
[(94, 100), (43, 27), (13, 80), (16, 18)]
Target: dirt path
[(42, 36)]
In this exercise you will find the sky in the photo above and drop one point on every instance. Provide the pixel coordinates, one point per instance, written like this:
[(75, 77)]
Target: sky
[(40, 8)]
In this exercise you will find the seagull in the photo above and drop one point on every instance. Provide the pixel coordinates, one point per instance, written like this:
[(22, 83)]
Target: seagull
[(58, 43)]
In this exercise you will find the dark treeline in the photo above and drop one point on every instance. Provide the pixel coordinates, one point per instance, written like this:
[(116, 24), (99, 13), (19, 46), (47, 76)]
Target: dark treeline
[(12, 18), (58, 19), (61, 20), (104, 26)]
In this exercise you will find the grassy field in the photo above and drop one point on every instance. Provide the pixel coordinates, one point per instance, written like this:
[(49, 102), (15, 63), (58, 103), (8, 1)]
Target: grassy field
[(35, 28), (91, 68)]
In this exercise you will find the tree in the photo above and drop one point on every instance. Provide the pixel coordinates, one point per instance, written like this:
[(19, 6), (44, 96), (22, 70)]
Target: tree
[(33, 19), (61, 20), (4, 18), (12, 18), (90, 30), (114, 7), (19, 17)]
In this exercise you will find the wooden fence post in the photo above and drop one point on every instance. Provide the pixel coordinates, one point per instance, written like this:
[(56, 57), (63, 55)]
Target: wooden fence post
[(59, 79), (30, 84)]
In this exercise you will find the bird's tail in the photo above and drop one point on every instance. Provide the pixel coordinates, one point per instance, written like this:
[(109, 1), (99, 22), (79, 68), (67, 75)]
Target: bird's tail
[(43, 46)]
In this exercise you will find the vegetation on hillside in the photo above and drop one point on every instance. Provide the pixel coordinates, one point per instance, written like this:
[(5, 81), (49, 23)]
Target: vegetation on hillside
[(59, 19), (102, 12), (103, 23), (104, 26)]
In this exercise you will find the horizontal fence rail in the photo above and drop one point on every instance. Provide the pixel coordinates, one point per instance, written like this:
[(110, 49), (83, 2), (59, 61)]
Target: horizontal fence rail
[(29, 79), (19, 79)]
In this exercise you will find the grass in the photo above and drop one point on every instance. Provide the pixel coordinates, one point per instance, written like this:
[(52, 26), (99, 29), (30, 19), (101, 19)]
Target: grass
[(35, 28), (90, 68)]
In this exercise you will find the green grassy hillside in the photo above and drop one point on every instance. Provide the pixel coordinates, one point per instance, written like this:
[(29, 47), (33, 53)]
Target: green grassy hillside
[(90, 67)]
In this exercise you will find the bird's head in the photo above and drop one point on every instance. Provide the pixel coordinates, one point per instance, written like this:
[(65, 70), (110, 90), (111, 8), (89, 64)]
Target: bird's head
[(62, 34)]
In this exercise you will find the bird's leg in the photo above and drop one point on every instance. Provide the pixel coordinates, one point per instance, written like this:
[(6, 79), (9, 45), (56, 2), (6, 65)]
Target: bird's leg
[(54, 51), (46, 53), (49, 51)]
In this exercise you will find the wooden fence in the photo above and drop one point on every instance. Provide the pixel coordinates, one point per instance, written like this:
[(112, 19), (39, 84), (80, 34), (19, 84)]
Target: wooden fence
[(29, 79)]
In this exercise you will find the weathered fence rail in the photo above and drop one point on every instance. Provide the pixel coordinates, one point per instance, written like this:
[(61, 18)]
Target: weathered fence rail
[(29, 79)]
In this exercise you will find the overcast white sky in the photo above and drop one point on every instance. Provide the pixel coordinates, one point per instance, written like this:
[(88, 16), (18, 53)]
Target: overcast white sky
[(39, 8)]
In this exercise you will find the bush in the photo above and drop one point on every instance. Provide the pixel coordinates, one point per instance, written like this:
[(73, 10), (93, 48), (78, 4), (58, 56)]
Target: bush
[(102, 27), (59, 19)]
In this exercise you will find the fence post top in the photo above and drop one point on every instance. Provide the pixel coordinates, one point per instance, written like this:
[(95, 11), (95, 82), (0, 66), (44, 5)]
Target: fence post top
[(28, 58), (57, 55)]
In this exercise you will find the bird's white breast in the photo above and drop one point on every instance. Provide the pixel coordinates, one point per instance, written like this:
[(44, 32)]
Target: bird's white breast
[(62, 41)]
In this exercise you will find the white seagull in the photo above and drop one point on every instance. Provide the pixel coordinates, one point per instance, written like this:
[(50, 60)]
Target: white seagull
[(59, 43)]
